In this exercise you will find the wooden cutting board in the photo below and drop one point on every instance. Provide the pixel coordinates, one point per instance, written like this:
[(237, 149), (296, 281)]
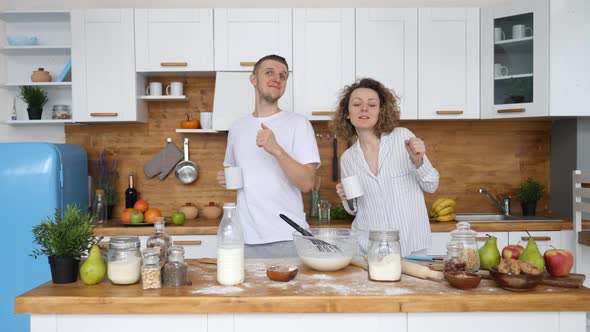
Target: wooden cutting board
[(573, 280)]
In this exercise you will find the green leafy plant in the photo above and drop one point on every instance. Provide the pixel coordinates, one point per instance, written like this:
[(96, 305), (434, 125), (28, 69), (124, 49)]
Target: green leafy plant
[(339, 213), (530, 190), (34, 96), (64, 235), (105, 176)]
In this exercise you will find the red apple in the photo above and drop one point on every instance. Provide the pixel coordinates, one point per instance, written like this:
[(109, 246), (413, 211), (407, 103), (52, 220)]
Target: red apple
[(512, 251), (559, 262)]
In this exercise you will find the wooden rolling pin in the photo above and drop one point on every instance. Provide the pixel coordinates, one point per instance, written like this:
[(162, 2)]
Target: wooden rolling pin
[(408, 267)]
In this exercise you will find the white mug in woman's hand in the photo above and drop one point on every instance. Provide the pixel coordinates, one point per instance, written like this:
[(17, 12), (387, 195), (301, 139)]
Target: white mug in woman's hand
[(352, 187)]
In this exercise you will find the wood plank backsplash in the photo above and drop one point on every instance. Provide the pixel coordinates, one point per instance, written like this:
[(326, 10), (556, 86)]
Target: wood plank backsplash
[(494, 155)]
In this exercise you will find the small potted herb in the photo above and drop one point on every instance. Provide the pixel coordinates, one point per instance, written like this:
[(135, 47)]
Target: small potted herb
[(63, 238), (529, 192), (36, 98), (105, 177)]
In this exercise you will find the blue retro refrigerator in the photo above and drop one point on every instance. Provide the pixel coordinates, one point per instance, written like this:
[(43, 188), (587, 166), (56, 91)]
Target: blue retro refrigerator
[(35, 179)]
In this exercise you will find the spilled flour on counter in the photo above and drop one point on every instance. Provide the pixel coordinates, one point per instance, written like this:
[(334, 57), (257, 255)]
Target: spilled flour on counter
[(218, 290), (321, 277)]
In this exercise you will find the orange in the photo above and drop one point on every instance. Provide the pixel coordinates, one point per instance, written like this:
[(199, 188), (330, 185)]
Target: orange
[(141, 205), (126, 215), (151, 215)]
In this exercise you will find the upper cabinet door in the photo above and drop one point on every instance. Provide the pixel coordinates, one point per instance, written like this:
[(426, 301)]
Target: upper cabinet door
[(323, 58), (103, 66), (514, 60), (174, 39), (242, 36), (387, 50), (448, 63)]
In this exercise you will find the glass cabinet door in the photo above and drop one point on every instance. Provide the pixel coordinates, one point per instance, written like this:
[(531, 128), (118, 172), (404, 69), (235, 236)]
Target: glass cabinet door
[(514, 60)]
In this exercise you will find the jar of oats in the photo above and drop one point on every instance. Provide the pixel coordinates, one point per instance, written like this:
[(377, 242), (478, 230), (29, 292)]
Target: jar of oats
[(467, 237)]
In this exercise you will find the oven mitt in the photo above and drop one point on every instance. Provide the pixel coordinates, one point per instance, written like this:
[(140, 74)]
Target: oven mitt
[(163, 162), (170, 157)]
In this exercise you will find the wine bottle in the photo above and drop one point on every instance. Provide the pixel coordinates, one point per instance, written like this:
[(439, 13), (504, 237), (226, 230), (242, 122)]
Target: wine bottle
[(130, 194)]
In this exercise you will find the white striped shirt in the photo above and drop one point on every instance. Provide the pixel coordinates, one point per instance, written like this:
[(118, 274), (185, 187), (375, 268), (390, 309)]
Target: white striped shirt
[(393, 199)]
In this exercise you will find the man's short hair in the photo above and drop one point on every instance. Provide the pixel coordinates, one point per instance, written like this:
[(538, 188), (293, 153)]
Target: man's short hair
[(273, 57)]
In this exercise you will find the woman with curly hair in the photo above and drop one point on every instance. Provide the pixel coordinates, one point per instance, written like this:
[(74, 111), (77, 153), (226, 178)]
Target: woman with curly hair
[(391, 164)]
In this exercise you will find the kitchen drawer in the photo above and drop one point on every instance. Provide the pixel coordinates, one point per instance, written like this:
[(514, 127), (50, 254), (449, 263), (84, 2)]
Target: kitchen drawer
[(197, 246), (544, 239), (438, 245)]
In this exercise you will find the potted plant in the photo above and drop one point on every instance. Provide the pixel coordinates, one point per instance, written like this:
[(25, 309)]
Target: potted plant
[(36, 98), (63, 238), (529, 192), (105, 178)]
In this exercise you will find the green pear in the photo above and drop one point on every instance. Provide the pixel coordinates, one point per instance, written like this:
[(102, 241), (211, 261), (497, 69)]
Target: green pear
[(93, 269), (489, 255), (531, 254)]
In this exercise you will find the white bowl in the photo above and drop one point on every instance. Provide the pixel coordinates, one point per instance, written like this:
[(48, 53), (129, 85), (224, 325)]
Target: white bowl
[(326, 258)]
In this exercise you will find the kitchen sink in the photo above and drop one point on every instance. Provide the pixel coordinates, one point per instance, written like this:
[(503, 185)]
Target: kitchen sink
[(491, 217)]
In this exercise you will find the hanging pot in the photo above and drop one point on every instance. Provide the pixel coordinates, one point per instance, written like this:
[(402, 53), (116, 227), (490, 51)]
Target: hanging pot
[(186, 171), (64, 270)]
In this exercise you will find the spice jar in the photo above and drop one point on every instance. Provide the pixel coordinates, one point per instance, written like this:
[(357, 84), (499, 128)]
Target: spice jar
[(384, 255), (150, 273), (124, 264), (175, 269), (454, 261), (467, 237)]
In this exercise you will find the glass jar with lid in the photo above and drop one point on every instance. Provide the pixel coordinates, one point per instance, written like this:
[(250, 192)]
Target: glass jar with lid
[(151, 273), (124, 264), (61, 112), (454, 261), (467, 237), (384, 255), (159, 239), (175, 269)]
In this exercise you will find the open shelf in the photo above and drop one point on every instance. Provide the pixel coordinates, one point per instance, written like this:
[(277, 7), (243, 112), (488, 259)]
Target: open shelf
[(38, 83), (197, 131), (37, 122), (163, 98), (36, 49)]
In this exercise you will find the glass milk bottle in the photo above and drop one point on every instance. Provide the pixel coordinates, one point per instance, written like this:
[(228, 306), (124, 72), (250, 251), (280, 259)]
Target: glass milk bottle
[(230, 247)]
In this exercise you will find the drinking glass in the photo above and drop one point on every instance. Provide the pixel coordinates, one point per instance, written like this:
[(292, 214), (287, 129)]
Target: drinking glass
[(324, 207)]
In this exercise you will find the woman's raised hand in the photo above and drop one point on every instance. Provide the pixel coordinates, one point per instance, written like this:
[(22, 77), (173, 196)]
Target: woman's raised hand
[(416, 150)]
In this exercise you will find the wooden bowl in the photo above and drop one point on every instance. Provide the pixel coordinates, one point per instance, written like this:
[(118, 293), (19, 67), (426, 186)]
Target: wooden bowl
[(514, 282), (463, 280), (282, 273), (211, 211)]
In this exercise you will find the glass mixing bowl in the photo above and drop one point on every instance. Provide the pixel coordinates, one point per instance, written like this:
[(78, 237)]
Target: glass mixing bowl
[(329, 249)]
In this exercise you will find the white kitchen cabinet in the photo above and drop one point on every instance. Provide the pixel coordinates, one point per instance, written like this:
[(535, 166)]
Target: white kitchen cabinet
[(387, 50), (103, 66), (242, 36), (173, 40), (545, 239), (439, 241), (514, 64), (323, 58), (448, 63), (501, 239), (52, 51), (197, 246)]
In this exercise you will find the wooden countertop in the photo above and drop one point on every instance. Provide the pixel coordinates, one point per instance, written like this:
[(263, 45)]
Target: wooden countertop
[(209, 227), (345, 291)]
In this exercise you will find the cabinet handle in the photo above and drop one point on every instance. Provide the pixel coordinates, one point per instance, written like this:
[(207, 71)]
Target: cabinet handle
[(512, 110), (457, 112), (104, 114), (323, 113), (481, 238), (247, 64), (188, 243), (173, 64), (536, 238)]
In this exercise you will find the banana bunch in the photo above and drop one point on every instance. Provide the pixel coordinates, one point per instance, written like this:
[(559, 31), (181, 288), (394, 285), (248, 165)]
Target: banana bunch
[(443, 209)]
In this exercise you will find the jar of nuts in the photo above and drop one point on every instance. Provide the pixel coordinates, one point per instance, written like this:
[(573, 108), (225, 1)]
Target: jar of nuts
[(454, 261), (467, 237)]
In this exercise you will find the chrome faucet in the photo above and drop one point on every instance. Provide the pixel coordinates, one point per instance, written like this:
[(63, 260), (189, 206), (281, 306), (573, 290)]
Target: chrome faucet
[(505, 209)]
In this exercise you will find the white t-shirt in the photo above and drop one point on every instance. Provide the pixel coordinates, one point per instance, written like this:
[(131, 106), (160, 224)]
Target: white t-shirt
[(267, 191)]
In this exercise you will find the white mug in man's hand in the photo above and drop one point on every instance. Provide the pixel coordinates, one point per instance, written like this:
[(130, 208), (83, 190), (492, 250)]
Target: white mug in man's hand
[(352, 187), (233, 178)]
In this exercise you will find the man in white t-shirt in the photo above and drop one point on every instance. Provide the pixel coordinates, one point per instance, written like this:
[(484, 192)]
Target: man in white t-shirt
[(278, 154)]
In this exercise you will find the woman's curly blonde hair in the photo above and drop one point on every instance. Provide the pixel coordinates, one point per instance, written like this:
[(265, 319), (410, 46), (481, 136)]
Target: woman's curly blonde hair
[(388, 109)]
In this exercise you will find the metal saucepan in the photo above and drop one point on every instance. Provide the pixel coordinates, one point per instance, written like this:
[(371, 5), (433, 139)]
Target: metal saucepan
[(186, 171)]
